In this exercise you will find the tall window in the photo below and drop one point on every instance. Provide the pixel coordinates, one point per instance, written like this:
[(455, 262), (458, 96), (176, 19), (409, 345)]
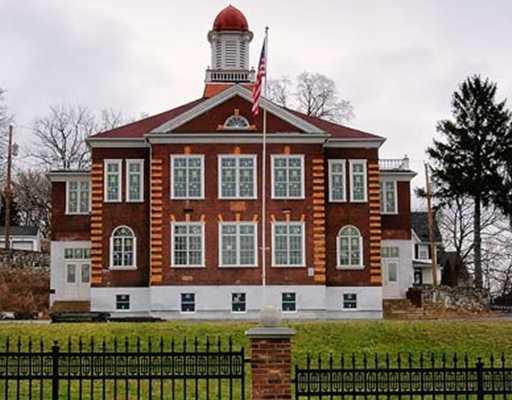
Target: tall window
[(187, 177), (134, 180), (337, 187), (187, 244), (237, 177), (287, 177), (350, 248), (358, 180), (288, 244), (122, 248), (77, 197), (238, 244), (388, 197), (112, 180)]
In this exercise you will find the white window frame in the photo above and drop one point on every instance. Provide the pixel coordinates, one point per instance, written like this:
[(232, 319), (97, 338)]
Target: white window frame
[(295, 302), (171, 167), (273, 157), (140, 162), (129, 302), (237, 176), (74, 264), (365, 180), (244, 303), (277, 223), (349, 308), (383, 197), (234, 128), (238, 265), (330, 164), (181, 303), (111, 250), (201, 224), (426, 248), (388, 262), (78, 212), (338, 250), (119, 163)]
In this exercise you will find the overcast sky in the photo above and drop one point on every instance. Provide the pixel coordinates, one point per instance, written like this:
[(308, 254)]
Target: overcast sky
[(398, 62)]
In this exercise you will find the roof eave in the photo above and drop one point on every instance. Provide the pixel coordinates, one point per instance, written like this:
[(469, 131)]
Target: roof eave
[(373, 143)]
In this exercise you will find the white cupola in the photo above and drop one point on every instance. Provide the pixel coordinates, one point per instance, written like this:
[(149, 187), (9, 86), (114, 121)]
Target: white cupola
[(229, 40)]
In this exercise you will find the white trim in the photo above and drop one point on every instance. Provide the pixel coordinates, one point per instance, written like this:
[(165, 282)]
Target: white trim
[(140, 162), (296, 303), (331, 162), (243, 128), (220, 157), (171, 176), (303, 173), (182, 223), (79, 191), (303, 224), (117, 142), (365, 178), (383, 197), (364, 143), (235, 90), (64, 176), (119, 163), (111, 251), (236, 137), (338, 250), (238, 223)]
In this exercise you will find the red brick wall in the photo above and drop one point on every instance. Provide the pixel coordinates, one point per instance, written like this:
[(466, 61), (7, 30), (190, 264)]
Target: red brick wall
[(347, 213), (66, 227), (212, 207), (134, 215), (399, 226)]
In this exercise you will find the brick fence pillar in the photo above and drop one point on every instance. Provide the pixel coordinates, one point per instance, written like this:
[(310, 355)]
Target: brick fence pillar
[(271, 363)]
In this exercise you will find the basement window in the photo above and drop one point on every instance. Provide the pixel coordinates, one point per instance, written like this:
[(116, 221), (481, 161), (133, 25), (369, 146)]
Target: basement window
[(238, 304), (349, 301), (122, 302), (289, 302), (188, 302)]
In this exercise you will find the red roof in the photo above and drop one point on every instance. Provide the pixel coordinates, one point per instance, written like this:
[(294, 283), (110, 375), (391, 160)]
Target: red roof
[(336, 130), (137, 129), (230, 19)]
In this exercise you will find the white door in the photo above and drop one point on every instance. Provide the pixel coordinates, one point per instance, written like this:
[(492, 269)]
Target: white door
[(390, 270), (77, 280)]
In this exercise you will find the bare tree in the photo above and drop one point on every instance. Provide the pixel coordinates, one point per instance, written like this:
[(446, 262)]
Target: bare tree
[(62, 133), (6, 118), (32, 193), (314, 94)]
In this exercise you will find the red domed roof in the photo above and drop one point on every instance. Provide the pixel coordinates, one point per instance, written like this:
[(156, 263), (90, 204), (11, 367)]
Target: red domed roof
[(230, 19)]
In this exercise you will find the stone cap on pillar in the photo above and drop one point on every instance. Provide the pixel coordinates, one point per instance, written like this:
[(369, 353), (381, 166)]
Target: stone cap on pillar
[(270, 333)]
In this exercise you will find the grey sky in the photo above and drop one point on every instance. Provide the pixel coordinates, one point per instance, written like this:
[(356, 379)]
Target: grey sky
[(397, 61)]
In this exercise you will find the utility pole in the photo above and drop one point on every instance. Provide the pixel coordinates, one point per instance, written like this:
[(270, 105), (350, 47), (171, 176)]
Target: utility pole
[(7, 193), (433, 253)]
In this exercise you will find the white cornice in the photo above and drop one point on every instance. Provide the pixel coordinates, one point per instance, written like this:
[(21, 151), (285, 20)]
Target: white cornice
[(405, 176), (182, 138), (236, 90), (117, 142), (355, 143), (63, 176)]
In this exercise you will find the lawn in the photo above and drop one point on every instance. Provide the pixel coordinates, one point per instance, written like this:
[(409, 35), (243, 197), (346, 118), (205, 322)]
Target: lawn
[(476, 338)]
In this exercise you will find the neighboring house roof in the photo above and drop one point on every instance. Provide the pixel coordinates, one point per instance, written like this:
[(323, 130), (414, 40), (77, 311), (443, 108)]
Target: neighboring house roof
[(419, 223), (20, 230), (137, 129)]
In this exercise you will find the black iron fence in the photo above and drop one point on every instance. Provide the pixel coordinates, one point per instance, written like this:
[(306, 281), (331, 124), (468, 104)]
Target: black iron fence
[(404, 377), (122, 370)]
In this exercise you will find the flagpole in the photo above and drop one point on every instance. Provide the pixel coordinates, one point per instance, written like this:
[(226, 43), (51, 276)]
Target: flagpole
[(264, 185)]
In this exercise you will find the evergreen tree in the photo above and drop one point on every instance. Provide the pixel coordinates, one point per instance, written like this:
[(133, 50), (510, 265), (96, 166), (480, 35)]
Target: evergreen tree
[(471, 151), (15, 214)]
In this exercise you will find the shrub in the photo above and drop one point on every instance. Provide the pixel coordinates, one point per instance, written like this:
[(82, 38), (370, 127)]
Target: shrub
[(24, 291)]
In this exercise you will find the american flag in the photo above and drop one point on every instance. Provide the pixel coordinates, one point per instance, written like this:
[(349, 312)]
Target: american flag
[(262, 72)]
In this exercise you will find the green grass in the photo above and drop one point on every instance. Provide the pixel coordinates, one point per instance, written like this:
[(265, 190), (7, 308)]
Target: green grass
[(476, 338)]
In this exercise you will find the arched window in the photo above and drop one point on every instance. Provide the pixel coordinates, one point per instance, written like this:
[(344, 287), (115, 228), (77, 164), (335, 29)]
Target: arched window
[(349, 248), (236, 122), (123, 248)]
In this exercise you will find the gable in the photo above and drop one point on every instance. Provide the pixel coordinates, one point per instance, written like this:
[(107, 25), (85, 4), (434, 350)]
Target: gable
[(212, 120)]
